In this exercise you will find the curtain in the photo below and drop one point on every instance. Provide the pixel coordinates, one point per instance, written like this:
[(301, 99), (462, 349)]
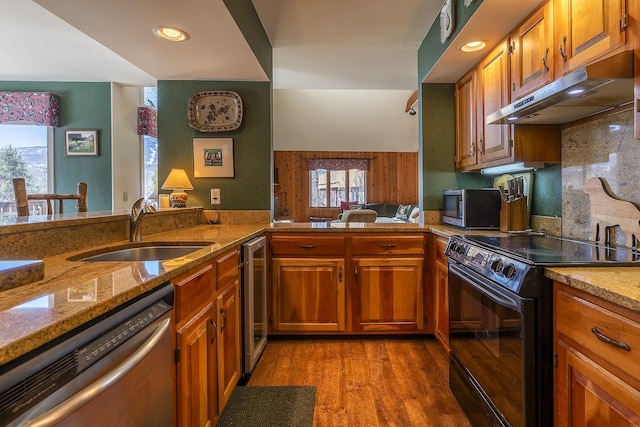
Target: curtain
[(147, 121), (38, 108), (338, 164)]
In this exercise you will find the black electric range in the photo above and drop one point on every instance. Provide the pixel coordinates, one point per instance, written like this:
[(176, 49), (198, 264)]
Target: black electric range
[(501, 321)]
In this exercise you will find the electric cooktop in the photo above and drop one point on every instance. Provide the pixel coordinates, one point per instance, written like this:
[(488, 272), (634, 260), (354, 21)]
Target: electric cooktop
[(556, 251)]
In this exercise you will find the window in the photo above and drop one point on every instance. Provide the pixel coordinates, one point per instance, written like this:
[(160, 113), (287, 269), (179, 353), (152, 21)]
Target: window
[(150, 153), (337, 180), (25, 151)]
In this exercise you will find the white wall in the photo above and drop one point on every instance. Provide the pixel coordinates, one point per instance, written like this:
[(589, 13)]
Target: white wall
[(343, 120), (126, 145)]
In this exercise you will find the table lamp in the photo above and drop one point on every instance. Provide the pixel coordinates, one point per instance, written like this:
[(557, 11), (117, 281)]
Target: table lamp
[(177, 181)]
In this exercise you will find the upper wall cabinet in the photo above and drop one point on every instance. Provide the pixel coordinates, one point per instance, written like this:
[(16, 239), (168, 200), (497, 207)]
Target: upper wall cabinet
[(493, 93), (466, 122), (532, 53), (587, 30)]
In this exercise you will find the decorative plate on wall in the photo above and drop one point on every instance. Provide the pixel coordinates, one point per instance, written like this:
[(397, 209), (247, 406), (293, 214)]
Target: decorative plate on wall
[(447, 20), (215, 111)]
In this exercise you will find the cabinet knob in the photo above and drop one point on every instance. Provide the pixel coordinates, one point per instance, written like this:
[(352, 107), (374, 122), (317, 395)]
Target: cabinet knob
[(307, 246)]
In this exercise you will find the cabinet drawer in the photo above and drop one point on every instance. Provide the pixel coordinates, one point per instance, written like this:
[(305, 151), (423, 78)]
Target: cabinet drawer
[(227, 268), (302, 245), (192, 290), (441, 245), (388, 245), (577, 317)]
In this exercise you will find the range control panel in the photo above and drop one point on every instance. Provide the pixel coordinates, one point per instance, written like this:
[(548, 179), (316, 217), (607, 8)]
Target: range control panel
[(506, 271)]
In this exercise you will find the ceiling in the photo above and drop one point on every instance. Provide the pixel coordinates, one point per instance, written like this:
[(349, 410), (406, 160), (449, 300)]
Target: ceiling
[(329, 44)]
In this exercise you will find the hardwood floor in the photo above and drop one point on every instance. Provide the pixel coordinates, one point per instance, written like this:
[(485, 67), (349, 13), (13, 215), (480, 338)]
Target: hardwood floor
[(366, 381)]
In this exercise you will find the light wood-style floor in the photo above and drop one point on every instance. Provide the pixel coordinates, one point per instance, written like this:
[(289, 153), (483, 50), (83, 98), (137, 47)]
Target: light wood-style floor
[(366, 381)]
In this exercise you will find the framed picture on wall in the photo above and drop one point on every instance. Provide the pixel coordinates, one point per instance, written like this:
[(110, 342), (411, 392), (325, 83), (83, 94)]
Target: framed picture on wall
[(81, 142), (213, 157)]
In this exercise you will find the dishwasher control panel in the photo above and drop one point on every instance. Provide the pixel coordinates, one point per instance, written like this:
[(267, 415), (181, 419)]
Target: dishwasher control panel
[(102, 346)]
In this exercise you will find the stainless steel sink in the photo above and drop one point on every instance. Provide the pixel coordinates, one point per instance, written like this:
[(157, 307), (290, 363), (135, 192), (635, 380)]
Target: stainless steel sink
[(149, 252)]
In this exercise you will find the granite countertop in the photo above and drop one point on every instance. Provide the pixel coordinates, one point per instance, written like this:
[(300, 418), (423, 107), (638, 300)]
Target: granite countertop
[(74, 292), (619, 285)]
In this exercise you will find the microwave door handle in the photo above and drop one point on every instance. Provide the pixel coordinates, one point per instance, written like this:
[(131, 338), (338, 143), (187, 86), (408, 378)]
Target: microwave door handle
[(85, 395), (485, 290)]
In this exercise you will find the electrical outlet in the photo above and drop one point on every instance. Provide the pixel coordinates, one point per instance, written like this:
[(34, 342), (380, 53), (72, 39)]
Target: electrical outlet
[(215, 196)]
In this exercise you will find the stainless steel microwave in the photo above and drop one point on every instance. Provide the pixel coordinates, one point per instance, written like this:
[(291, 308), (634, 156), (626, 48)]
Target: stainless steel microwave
[(472, 208)]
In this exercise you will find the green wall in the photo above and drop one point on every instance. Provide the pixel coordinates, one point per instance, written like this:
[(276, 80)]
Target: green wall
[(250, 188), (438, 130), (82, 106)]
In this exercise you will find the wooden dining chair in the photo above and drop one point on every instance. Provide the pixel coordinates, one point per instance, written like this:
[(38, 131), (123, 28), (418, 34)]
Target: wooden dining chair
[(22, 198)]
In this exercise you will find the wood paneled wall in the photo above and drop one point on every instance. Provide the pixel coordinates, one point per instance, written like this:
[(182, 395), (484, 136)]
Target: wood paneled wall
[(392, 178)]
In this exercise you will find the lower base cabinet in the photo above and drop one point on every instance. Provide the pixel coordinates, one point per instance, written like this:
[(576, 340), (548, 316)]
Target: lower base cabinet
[(308, 294), (388, 294), (208, 339), (597, 345)]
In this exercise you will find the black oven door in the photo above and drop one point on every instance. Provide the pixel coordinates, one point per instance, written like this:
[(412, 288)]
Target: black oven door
[(492, 340)]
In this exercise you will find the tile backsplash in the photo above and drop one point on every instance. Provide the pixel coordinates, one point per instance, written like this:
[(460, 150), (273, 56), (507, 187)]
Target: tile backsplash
[(603, 148)]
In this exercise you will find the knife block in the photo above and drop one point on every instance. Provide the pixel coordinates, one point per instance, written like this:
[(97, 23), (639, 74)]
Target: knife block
[(513, 215)]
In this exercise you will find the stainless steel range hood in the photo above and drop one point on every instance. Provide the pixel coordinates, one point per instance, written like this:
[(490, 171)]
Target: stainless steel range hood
[(589, 90)]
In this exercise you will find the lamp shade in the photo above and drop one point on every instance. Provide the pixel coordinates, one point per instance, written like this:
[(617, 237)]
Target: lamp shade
[(177, 180)]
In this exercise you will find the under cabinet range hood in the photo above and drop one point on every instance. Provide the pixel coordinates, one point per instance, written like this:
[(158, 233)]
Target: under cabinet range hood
[(592, 89)]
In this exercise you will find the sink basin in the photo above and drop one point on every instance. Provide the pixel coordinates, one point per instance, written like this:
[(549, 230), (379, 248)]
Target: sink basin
[(153, 252)]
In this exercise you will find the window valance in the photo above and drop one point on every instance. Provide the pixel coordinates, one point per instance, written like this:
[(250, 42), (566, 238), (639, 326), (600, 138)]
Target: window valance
[(147, 121), (338, 164), (38, 108)]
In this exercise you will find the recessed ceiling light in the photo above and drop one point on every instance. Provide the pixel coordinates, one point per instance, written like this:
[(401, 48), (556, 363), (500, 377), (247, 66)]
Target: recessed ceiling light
[(170, 33), (473, 46)]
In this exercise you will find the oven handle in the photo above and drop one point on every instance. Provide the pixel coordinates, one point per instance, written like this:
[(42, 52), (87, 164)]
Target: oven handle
[(495, 293), (83, 396)]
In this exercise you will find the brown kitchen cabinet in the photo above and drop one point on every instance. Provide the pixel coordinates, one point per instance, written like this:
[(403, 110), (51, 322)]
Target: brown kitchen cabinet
[(308, 286), (388, 283), (596, 382), (587, 30), (228, 308), (493, 94), (466, 122), (441, 291), (532, 52), (196, 348), (208, 339)]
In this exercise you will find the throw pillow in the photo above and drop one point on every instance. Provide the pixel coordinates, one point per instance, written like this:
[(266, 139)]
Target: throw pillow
[(403, 212), (345, 206)]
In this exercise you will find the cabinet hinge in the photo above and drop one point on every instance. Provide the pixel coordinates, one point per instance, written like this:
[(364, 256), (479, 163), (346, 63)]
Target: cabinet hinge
[(176, 355), (555, 360), (624, 22), (511, 143)]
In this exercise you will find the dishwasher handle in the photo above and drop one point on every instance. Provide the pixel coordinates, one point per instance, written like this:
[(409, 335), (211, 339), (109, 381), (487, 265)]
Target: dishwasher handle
[(85, 395)]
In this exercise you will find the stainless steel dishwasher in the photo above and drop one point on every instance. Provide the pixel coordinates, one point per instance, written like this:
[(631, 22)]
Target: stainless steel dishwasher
[(115, 371)]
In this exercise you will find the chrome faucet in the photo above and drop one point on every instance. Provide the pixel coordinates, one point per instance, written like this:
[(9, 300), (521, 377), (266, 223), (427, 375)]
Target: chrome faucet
[(138, 210)]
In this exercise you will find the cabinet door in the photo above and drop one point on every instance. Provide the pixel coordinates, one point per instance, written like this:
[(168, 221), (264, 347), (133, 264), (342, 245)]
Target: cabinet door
[(229, 344), (587, 30), (466, 122), (532, 53), (308, 294), (442, 303), (588, 394), (197, 370), (493, 76), (388, 294)]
